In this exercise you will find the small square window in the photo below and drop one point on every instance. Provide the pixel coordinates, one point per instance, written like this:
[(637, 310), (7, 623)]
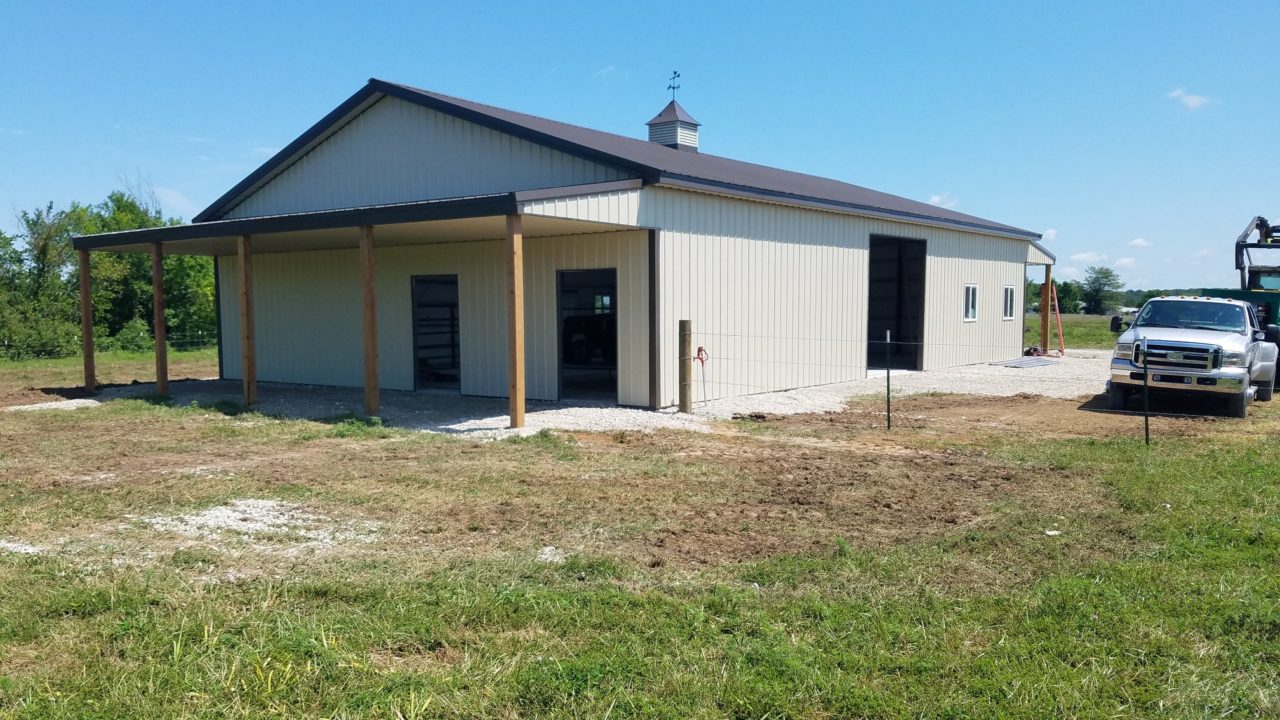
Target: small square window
[(1008, 302), (970, 303)]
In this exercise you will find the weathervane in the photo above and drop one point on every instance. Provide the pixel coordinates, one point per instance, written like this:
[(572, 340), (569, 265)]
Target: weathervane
[(673, 87)]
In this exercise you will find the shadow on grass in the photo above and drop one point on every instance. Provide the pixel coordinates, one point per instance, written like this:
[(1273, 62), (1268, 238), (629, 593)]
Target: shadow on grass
[(1163, 404)]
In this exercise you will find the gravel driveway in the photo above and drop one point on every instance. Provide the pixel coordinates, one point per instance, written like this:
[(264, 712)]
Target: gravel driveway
[(1082, 372)]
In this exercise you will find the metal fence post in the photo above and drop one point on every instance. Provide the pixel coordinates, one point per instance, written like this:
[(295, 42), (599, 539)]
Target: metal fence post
[(686, 366), (1146, 396), (888, 386)]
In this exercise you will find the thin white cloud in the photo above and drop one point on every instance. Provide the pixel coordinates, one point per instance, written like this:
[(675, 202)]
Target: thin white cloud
[(605, 72), (197, 139), (1049, 235), (1088, 257), (1202, 253), (1125, 262), (1188, 100), (13, 131), (263, 151), (175, 203), (943, 200), (1139, 242), (1068, 272)]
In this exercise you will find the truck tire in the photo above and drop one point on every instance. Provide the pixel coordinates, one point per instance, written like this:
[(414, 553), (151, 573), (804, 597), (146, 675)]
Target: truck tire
[(1238, 405), (1117, 397), (1266, 390)]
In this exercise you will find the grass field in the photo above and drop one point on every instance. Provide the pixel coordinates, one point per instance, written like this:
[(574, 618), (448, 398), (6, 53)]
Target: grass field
[(1078, 331), (1021, 557), (33, 381)]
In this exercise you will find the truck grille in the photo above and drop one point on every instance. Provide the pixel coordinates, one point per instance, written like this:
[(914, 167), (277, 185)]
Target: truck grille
[(1180, 356)]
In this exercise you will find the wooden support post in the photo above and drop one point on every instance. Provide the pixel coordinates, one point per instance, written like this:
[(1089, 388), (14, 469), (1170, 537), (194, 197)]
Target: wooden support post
[(686, 366), (515, 319), (157, 319), (1045, 303), (86, 324), (370, 322), (248, 353)]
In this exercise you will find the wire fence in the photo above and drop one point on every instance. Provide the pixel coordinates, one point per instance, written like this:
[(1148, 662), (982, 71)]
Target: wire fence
[(723, 365), (125, 341)]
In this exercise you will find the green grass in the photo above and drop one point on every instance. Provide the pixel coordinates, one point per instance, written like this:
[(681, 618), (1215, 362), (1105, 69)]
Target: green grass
[(1078, 331), (115, 367), (1179, 616)]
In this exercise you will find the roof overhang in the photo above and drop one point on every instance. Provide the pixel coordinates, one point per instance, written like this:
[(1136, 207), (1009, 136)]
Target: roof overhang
[(750, 193), (432, 221)]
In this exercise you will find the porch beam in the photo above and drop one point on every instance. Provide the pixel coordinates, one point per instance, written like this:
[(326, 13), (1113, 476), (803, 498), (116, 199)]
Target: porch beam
[(157, 319), (248, 352), (86, 324), (370, 322), (515, 320), (1046, 304)]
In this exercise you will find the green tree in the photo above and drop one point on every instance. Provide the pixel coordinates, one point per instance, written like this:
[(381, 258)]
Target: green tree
[(1069, 295), (39, 306), (1100, 290)]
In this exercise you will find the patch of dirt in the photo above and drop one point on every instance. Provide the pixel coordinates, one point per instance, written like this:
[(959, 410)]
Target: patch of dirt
[(792, 497), (14, 396), (416, 659), (960, 417)]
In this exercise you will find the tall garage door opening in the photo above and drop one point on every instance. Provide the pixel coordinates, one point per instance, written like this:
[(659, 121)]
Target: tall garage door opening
[(437, 356), (588, 322), (896, 302)]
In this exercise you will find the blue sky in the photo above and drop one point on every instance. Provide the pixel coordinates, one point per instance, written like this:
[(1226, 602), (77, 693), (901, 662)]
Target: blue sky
[(1138, 135)]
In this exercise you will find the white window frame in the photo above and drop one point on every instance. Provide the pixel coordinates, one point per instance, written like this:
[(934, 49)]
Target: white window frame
[(968, 305), (1010, 307)]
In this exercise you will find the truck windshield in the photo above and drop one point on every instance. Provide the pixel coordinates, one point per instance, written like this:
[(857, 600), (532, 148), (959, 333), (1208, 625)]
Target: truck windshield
[(1192, 315)]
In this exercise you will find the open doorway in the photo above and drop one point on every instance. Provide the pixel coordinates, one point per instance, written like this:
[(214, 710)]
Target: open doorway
[(895, 302), (587, 307), (437, 356)]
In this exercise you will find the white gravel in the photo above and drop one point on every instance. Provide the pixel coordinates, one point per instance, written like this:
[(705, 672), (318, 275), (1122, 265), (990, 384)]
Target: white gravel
[(265, 521), (1081, 372), (19, 548)]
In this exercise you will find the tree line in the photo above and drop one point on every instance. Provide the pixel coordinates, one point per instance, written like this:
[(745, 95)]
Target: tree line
[(39, 282), (1101, 292)]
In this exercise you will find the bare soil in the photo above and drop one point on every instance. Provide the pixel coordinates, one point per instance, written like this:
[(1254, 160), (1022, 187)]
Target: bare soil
[(777, 485)]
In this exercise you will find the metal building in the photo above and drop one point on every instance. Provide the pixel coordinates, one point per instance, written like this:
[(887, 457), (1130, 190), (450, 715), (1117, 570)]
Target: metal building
[(413, 240)]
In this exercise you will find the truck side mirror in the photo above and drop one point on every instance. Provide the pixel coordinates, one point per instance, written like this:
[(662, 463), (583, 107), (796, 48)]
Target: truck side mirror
[(1273, 334), (1117, 324)]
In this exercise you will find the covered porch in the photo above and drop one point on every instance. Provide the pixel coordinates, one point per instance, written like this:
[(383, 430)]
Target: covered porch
[(333, 298)]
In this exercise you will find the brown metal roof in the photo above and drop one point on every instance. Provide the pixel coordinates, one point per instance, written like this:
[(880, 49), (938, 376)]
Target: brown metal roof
[(671, 113), (653, 162)]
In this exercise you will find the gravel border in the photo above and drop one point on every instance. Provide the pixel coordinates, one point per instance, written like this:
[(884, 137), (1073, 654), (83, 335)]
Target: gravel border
[(1081, 372)]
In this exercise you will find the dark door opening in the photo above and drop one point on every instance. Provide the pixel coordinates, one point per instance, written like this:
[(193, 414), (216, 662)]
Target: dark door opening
[(437, 356), (895, 302), (587, 307)]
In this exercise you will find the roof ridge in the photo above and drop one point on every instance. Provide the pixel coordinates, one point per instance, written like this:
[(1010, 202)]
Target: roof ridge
[(656, 146)]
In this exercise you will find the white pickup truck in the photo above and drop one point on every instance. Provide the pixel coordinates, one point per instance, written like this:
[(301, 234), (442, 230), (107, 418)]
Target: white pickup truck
[(1195, 345)]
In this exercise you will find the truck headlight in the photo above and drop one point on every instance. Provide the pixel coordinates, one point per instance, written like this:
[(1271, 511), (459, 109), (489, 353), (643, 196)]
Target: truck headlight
[(1232, 358), (1124, 351)]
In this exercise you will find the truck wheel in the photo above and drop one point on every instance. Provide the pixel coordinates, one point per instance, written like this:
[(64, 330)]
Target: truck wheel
[(1117, 397), (1266, 389), (1238, 405)]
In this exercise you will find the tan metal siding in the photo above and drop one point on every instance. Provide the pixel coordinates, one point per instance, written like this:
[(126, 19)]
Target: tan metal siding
[(776, 294), (621, 207), (399, 152), (307, 312), (1036, 256)]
